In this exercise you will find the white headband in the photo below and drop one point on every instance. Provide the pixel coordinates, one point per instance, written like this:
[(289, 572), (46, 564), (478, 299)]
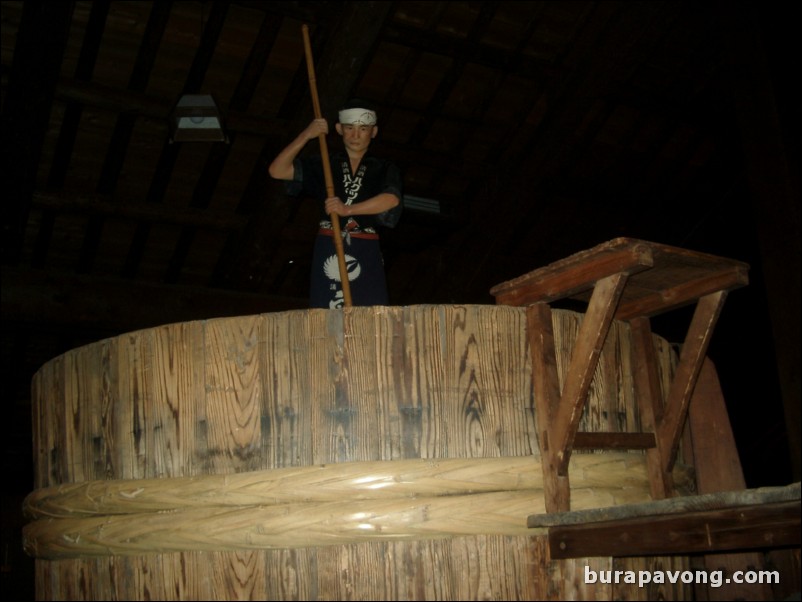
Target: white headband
[(357, 117)]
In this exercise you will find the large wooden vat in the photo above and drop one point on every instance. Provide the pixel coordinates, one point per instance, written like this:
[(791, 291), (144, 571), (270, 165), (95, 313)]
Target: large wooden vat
[(429, 407)]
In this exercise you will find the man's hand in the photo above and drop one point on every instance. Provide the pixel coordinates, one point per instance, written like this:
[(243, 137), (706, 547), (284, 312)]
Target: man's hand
[(317, 127), (335, 205)]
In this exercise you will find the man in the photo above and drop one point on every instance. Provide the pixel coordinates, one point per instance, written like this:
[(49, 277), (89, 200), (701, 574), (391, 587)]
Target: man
[(367, 195)]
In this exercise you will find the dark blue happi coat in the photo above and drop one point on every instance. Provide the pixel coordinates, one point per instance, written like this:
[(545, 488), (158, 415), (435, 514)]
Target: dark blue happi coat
[(361, 244)]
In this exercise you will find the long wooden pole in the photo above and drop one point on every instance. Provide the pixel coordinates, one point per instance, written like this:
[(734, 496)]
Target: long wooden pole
[(324, 153)]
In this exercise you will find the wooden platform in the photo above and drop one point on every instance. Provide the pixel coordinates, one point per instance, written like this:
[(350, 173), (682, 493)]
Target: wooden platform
[(728, 521), (725, 527), (659, 277), (624, 279)]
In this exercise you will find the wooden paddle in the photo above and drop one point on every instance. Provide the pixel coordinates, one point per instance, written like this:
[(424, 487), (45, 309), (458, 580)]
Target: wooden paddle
[(324, 153)]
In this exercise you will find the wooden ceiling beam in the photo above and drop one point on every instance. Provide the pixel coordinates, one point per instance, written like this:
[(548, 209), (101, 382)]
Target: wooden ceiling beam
[(103, 206), (26, 111), (143, 105), (56, 299)]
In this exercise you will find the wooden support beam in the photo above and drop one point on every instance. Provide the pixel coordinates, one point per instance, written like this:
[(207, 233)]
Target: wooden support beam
[(584, 359), (683, 293), (545, 380), (694, 349), (747, 527), (649, 397), (574, 274), (768, 517), (608, 440), (622, 279), (676, 506)]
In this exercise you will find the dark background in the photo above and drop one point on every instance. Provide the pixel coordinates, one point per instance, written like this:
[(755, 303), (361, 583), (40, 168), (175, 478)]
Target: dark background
[(541, 128)]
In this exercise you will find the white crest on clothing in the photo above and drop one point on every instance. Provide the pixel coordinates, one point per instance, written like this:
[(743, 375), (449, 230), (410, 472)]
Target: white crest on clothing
[(338, 302), (331, 267)]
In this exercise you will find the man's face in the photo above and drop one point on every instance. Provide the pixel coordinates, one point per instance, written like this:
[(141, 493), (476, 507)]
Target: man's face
[(356, 137)]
